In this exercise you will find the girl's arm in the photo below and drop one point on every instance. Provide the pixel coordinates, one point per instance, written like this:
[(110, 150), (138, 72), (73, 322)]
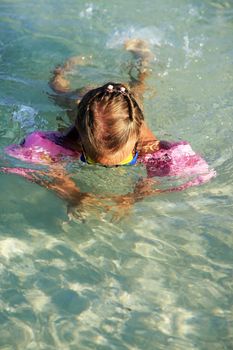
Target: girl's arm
[(64, 96), (55, 179), (79, 204), (142, 56), (147, 143), (59, 82)]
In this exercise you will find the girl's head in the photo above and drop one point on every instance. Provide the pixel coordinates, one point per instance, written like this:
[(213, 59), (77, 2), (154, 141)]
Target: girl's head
[(109, 121)]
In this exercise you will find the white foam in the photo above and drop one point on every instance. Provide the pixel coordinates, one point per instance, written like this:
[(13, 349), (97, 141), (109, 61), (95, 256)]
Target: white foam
[(191, 53), (25, 116), (87, 12)]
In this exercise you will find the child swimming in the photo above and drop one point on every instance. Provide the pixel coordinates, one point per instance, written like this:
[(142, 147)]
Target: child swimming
[(109, 130)]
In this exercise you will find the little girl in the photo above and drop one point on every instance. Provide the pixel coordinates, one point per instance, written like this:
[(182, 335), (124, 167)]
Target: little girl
[(109, 130)]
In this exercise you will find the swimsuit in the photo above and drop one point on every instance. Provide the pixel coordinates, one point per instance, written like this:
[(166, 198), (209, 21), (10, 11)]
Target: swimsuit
[(130, 160)]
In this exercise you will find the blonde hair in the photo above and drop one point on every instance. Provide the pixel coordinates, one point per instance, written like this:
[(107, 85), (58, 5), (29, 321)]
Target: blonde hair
[(108, 117)]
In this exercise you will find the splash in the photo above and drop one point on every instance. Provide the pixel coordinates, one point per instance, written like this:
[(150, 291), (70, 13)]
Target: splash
[(87, 12), (28, 119), (25, 116), (150, 34), (191, 53)]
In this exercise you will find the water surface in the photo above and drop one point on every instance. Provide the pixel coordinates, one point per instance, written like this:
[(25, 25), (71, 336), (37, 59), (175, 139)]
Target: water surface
[(161, 277)]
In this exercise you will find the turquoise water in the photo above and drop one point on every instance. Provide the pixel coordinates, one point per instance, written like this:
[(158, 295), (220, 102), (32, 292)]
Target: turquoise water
[(161, 277)]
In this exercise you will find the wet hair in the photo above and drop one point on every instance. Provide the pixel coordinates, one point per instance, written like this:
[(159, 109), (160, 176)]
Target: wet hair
[(108, 117)]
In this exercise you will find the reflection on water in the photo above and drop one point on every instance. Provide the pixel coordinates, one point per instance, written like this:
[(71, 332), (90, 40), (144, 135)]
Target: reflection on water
[(161, 277)]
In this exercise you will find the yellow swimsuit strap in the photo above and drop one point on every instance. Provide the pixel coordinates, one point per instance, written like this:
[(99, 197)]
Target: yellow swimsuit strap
[(130, 160)]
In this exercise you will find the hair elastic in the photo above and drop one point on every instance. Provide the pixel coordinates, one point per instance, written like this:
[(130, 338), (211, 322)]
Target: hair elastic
[(110, 88)]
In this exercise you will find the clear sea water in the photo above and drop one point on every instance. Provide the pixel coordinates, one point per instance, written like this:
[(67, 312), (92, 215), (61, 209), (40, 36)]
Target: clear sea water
[(162, 276)]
